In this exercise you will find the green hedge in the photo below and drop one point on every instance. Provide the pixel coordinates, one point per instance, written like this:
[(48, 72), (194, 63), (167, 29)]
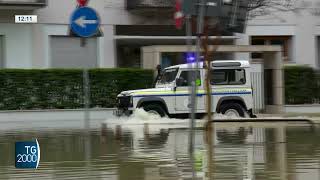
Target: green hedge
[(106, 84), (318, 86), (63, 88), (301, 85)]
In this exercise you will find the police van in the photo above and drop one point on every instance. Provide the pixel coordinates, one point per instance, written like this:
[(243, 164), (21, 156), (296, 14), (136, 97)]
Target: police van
[(231, 91)]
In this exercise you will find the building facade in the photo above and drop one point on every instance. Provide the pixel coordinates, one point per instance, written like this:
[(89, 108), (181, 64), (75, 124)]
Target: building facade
[(129, 25)]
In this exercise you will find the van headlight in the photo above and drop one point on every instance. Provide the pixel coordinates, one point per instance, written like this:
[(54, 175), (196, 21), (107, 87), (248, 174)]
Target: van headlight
[(125, 101)]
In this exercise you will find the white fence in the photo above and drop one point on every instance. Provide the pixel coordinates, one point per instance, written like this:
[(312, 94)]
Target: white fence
[(257, 81)]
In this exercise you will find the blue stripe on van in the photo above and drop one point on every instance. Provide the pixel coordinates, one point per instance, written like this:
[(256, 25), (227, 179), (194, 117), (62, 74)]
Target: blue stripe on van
[(166, 95)]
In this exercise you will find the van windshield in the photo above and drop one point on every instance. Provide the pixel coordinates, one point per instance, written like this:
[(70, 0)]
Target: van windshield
[(168, 76)]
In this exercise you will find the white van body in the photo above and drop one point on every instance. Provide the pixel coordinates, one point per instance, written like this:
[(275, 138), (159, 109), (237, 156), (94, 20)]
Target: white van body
[(231, 91)]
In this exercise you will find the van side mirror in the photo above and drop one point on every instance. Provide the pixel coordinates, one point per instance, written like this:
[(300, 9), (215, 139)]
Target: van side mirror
[(179, 81)]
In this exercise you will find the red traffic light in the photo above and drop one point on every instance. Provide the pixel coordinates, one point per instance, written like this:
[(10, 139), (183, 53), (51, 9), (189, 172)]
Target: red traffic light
[(82, 2), (178, 15)]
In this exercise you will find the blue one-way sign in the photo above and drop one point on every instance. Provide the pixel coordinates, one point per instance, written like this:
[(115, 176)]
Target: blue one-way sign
[(85, 22)]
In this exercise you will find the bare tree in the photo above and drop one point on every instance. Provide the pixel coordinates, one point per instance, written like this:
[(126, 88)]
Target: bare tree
[(266, 7)]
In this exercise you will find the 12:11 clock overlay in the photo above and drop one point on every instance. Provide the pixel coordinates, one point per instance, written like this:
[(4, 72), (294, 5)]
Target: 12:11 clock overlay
[(26, 18)]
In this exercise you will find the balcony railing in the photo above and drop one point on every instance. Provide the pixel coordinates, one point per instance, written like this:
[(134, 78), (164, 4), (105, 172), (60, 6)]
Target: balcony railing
[(150, 5), (22, 4)]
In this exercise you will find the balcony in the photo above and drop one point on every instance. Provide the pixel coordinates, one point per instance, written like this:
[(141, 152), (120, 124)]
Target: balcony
[(22, 4), (151, 6)]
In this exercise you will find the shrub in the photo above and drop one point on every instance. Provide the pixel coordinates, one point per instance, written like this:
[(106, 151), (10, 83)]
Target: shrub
[(318, 86), (300, 85), (63, 88), (106, 84)]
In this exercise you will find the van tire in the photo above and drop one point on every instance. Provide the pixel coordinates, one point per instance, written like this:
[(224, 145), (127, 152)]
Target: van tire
[(155, 108), (233, 106)]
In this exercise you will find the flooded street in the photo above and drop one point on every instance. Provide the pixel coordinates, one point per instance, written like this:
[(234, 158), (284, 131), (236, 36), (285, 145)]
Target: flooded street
[(144, 147)]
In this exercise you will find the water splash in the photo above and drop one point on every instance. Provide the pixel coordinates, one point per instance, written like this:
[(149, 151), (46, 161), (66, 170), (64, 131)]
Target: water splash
[(141, 117)]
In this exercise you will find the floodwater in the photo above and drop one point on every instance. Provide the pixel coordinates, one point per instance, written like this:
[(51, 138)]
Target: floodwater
[(151, 148)]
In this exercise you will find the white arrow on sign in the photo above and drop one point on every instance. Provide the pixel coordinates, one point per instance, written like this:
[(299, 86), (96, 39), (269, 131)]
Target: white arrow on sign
[(82, 21)]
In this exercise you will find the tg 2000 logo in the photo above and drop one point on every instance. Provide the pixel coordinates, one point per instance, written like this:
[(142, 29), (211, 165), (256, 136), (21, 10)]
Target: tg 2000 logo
[(27, 154)]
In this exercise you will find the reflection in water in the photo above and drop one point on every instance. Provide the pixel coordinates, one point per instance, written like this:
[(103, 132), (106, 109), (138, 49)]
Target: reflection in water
[(158, 152)]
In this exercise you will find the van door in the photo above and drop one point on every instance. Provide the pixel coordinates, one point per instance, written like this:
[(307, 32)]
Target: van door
[(229, 82), (182, 96)]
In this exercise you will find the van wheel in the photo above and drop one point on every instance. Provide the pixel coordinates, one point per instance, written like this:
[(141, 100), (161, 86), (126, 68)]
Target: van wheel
[(233, 109), (155, 109)]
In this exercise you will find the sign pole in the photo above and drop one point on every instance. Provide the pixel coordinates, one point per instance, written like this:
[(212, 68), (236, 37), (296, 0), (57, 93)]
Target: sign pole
[(193, 76), (200, 19), (192, 97), (86, 91)]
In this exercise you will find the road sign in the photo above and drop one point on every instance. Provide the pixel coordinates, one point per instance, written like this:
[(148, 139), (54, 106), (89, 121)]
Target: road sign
[(85, 22)]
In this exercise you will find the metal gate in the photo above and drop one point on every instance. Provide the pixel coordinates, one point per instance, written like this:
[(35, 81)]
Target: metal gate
[(257, 81)]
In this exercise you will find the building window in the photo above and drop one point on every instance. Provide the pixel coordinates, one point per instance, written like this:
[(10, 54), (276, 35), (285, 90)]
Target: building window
[(171, 59), (129, 56), (257, 42), (283, 41)]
